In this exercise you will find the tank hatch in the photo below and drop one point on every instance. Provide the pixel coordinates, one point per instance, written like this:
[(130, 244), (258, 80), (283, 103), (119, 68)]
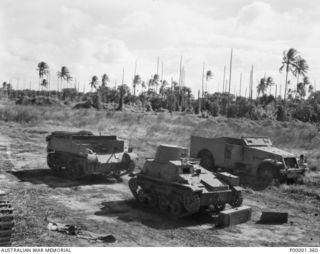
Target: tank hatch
[(257, 141)]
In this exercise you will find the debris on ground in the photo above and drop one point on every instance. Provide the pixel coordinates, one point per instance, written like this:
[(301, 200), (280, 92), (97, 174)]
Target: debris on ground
[(84, 104), (269, 217), (234, 216), (79, 233)]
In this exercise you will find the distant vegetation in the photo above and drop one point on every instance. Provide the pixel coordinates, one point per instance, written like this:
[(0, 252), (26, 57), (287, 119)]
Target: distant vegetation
[(159, 95)]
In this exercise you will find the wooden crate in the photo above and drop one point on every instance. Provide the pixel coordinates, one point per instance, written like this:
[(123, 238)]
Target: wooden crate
[(234, 216)]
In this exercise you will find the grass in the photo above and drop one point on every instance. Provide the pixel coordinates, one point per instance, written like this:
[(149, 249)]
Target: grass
[(145, 132), (170, 128), (301, 190)]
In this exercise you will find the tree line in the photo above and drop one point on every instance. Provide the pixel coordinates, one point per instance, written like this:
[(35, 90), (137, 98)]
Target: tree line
[(160, 95)]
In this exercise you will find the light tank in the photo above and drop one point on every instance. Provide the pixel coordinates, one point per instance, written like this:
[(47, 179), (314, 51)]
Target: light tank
[(178, 185), (81, 153)]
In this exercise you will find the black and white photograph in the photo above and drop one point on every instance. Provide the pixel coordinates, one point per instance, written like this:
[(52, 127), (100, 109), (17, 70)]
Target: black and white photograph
[(159, 123)]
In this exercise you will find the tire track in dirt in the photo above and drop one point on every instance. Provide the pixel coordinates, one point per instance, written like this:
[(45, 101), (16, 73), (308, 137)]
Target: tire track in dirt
[(6, 161)]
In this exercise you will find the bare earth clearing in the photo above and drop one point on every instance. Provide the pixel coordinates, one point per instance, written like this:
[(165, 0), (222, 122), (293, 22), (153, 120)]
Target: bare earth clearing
[(106, 208)]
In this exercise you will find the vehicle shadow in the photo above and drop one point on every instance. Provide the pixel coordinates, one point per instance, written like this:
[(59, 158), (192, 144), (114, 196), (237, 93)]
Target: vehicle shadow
[(54, 180), (131, 211)]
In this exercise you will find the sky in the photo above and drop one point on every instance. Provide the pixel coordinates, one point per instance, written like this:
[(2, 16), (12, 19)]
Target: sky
[(93, 37)]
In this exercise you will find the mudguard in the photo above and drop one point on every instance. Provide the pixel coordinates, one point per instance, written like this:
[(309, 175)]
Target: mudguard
[(237, 188)]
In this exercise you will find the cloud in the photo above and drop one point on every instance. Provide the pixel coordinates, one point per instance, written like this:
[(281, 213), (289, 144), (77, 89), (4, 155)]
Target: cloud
[(94, 37)]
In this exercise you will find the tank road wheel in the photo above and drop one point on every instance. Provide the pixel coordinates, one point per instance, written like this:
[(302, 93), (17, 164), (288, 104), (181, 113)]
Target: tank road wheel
[(163, 203), (53, 162), (73, 170), (175, 208), (219, 207), (206, 160), (191, 203), (237, 199), (152, 199), (133, 186), (142, 197)]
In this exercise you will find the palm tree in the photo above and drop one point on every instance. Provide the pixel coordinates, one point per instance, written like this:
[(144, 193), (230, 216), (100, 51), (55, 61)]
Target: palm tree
[(264, 84), (136, 81), (302, 68), (164, 84), (7, 87), (64, 74), (261, 87), (290, 94), (123, 89), (43, 70), (310, 89), (156, 81), (289, 64), (94, 81), (301, 87), (143, 85), (104, 80), (44, 83), (209, 75)]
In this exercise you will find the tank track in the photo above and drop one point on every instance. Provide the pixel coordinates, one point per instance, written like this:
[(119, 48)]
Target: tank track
[(174, 205), (6, 222), (73, 166)]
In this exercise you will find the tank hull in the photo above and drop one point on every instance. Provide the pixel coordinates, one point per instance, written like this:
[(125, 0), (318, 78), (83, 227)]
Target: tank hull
[(78, 155), (191, 200)]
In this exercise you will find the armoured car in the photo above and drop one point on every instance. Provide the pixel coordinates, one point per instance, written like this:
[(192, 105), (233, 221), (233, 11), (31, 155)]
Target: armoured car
[(253, 156)]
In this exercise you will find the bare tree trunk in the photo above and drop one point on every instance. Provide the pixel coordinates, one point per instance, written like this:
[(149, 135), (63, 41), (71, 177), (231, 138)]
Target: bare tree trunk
[(224, 78), (229, 80), (286, 84), (199, 102)]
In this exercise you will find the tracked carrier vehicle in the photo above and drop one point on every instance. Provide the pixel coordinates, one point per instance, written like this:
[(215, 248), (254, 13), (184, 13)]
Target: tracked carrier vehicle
[(81, 153), (252, 156), (179, 185), (6, 221)]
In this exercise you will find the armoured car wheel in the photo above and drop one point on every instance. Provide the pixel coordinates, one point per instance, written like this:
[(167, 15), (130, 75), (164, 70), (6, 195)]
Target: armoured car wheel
[(191, 203), (266, 174), (206, 160), (175, 208), (163, 203), (237, 199)]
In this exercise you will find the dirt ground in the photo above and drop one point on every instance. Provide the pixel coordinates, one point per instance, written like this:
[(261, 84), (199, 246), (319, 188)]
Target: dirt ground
[(99, 206)]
